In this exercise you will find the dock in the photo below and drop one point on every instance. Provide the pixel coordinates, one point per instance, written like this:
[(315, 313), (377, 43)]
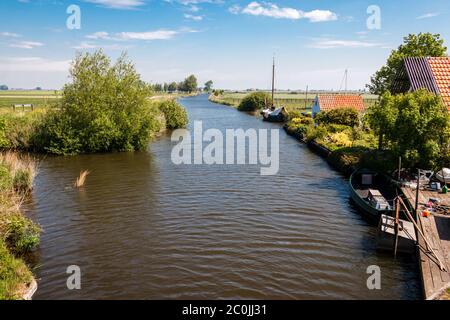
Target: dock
[(436, 228)]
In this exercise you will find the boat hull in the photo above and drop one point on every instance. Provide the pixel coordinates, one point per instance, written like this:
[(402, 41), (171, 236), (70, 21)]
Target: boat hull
[(362, 204)]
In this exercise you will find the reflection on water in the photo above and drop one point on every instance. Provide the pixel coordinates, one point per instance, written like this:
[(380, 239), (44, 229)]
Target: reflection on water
[(144, 228)]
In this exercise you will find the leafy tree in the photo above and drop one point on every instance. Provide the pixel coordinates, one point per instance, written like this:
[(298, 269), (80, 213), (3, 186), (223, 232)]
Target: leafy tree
[(208, 86), (166, 87), (416, 125), (421, 45), (175, 115), (104, 108), (172, 87), (254, 101), (190, 84), (4, 87), (157, 87)]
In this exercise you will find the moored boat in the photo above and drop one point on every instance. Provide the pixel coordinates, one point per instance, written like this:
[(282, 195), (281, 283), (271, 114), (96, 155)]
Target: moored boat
[(372, 192)]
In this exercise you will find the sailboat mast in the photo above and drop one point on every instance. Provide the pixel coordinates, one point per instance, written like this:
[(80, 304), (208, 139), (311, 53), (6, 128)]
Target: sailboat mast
[(273, 82)]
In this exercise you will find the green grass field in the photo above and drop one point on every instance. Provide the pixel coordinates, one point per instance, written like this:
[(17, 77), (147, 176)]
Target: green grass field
[(293, 101), (37, 98)]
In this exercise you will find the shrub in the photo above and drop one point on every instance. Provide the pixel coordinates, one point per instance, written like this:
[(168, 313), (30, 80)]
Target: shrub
[(254, 101), (105, 108), (302, 129), (14, 275), (4, 142), (6, 181), (340, 139), (343, 116), (174, 114), (318, 132), (19, 233)]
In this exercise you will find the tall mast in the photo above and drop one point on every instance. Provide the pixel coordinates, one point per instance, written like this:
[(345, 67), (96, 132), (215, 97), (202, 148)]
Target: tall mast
[(273, 82)]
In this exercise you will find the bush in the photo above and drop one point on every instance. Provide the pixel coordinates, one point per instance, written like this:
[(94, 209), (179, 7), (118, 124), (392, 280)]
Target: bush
[(254, 101), (6, 181), (19, 233), (105, 108), (315, 133), (19, 129), (14, 275), (174, 114), (340, 139), (342, 116)]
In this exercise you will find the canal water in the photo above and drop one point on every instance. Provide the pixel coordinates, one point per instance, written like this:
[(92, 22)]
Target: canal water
[(144, 228)]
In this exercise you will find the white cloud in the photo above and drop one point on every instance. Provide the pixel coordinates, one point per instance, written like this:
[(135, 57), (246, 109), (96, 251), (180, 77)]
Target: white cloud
[(99, 35), (332, 43), (193, 17), (273, 11), (26, 44), (10, 34), (320, 15), (16, 64), (118, 4), (161, 34), (428, 15), (235, 9), (149, 35)]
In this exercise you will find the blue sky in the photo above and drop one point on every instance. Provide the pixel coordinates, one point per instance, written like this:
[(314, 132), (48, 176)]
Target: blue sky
[(229, 42)]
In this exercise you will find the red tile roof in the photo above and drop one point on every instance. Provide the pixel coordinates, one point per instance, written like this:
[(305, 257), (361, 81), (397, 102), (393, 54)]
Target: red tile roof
[(440, 67), (335, 101)]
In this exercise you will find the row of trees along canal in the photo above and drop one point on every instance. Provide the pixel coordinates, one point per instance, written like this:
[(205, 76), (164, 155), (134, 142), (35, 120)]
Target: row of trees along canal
[(189, 85)]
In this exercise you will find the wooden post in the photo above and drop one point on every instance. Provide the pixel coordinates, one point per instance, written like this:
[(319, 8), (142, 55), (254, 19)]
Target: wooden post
[(396, 225), (14, 107), (418, 229), (416, 205)]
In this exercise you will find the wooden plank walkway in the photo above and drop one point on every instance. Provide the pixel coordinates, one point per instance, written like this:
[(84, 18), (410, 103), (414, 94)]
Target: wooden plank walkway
[(436, 229)]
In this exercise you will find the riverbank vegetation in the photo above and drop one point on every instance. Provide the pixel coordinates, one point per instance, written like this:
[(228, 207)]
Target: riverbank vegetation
[(415, 126), (293, 101), (18, 234), (255, 101), (104, 108)]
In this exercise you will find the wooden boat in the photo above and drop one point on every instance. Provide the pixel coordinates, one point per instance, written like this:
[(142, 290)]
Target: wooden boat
[(274, 114), (372, 192), (277, 115)]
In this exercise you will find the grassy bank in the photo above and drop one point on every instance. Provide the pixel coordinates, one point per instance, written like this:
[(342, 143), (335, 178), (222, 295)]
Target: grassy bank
[(18, 234), (293, 101)]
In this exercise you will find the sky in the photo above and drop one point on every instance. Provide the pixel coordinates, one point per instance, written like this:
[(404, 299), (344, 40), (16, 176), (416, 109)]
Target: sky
[(231, 43)]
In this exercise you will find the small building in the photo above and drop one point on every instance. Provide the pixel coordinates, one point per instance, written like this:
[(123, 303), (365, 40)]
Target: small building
[(431, 73), (327, 102)]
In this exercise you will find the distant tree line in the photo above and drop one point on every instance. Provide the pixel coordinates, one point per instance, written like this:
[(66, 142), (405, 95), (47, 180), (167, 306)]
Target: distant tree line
[(4, 87), (189, 84)]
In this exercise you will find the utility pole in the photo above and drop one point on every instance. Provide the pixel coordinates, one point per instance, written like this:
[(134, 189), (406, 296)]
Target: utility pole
[(306, 97), (273, 82)]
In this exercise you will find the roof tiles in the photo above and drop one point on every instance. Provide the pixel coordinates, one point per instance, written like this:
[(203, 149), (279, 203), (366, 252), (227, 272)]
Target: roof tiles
[(335, 101)]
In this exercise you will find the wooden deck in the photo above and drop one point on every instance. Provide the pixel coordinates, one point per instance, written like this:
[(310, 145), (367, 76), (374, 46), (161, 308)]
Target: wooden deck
[(436, 229)]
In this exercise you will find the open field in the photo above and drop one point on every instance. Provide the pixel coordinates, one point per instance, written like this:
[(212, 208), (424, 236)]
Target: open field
[(50, 98), (293, 101), (36, 93), (37, 98)]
